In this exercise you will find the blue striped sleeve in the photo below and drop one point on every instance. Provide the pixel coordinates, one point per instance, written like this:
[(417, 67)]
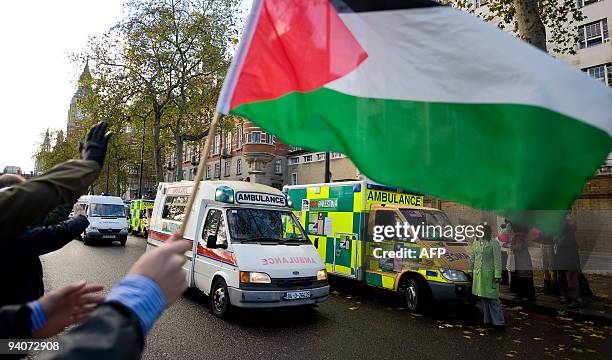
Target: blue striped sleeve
[(141, 295), (38, 319)]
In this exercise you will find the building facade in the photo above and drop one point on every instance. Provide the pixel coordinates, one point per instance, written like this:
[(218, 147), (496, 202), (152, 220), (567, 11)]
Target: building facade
[(243, 153), (307, 167), (15, 170)]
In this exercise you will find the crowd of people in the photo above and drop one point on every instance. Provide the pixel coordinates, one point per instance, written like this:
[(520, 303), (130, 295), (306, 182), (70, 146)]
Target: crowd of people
[(34, 222), (507, 261)]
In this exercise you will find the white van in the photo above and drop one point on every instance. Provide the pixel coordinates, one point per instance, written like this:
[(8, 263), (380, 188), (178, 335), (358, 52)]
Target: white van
[(249, 250), (107, 220)]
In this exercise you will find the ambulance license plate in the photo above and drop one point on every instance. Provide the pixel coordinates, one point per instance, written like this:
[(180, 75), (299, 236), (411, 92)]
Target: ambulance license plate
[(293, 295), (108, 236)]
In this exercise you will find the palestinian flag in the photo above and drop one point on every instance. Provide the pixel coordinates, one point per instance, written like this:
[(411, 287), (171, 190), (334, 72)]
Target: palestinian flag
[(422, 97)]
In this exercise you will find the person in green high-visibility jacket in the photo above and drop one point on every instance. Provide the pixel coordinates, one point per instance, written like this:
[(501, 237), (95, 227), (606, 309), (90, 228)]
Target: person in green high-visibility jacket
[(485, 266)]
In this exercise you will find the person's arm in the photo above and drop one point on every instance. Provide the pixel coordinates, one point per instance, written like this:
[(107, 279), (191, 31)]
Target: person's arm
[(27, 203), (46, 239), (497, 263), (57, 215), (118, 328), (112, 332), (130, 311)]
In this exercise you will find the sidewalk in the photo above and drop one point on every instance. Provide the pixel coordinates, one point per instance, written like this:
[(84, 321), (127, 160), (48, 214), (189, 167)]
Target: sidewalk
[(598, 309)]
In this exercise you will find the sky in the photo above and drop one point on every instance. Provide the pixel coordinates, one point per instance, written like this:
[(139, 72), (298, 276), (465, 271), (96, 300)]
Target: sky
[(37, 77)]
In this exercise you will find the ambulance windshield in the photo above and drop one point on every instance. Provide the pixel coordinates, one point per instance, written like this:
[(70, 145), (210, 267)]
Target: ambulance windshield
[(434, 219), (255, 225), (107, 210)]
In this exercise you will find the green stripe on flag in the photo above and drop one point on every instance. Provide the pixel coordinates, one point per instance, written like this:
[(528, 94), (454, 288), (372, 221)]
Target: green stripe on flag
[(483, 155)]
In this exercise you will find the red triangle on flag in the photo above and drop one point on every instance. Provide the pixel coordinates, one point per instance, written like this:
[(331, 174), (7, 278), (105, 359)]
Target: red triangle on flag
[(297, 45)]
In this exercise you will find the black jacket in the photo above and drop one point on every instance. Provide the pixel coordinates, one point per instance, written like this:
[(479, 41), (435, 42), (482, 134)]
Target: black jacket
[(112, 332), (15, 322), (20, 268)]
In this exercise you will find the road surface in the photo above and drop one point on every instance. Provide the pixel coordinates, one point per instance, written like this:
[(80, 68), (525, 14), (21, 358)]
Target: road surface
[(356, 322)]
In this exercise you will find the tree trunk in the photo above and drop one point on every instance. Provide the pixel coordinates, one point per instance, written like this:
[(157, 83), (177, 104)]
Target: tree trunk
[(118, 178), (530, 26), (179, 138), (157, 153), (179, 153)]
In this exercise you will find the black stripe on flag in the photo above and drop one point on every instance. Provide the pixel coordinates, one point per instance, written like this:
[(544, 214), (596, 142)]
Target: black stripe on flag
[(344, 6)]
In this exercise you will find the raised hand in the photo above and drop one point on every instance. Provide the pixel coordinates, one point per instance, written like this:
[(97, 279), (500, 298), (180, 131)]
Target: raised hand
[(96, 143), (164, 265), (68, 305)]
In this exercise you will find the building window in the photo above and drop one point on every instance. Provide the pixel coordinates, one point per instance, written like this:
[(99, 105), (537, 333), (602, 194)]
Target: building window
[(240, 136), (217, 170), (583, 3), (593, 33), (228, 142), (294, 160), (294, 179), (601, 72), (278, 166), (238, 166), (307, 158), (208, 171), (226, 168), (321, 156), (254, 137), (216, 144), (267, 138), (187, 153)]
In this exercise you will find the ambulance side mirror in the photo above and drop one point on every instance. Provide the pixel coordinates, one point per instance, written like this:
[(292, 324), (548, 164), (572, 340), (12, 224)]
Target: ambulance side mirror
[(316, 243), (211, 242)]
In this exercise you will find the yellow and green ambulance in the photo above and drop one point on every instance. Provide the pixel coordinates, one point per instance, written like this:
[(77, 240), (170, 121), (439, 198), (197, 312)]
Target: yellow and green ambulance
[(140, 213), (341, 220)]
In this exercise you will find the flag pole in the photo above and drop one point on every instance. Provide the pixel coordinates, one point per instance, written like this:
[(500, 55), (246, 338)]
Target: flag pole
[(200, 173)]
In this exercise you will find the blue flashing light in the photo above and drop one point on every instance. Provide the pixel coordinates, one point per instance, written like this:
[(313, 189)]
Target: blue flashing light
[(224, 194)]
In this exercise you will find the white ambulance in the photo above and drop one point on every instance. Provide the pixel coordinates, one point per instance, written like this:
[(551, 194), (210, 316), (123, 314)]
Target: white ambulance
[(249, 250)]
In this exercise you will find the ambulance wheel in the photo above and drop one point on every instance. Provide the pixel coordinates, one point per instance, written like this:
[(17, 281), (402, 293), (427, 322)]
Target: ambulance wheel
[(219, 299), (417, 295), (86, 240)]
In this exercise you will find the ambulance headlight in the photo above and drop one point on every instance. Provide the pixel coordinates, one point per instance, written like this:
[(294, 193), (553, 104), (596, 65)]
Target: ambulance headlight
[(453, 275), (224, 194), (321, 275), (253, 277)]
